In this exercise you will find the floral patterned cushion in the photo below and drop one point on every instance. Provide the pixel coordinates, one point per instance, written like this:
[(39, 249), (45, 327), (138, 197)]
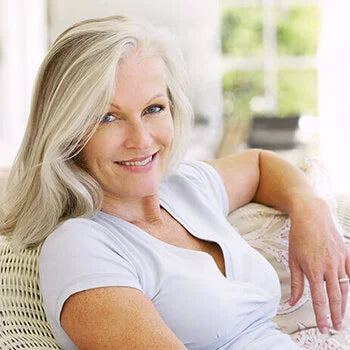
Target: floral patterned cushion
[(267, 230)]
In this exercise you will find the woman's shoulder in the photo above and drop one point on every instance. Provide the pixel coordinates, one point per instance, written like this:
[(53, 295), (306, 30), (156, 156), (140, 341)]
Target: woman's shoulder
[(196, 180), (77, 227), (74, 233), (187, 172), (195, 171)]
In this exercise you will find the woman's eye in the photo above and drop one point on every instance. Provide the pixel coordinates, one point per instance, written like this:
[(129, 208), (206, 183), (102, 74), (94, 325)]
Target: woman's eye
[(108, 118), (154, 109)]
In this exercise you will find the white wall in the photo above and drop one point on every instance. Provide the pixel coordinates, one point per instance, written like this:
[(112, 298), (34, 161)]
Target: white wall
[(22, 45), (196, 24), (334, 92)]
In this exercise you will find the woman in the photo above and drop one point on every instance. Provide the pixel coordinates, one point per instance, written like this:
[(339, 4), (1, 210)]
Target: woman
[(137, 251)]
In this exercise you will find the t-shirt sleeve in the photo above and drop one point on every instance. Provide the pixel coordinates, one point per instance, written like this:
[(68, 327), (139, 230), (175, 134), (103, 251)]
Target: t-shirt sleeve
[(80, 255), (208, 181)]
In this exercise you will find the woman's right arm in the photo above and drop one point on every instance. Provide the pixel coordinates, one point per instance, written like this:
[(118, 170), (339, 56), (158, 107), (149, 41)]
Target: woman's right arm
[(116, 318)]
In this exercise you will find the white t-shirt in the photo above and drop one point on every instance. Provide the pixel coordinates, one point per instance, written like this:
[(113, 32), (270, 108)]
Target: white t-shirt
[(205, 309)]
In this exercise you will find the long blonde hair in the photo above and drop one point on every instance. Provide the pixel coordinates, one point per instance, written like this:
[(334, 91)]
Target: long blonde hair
[(73, 90)]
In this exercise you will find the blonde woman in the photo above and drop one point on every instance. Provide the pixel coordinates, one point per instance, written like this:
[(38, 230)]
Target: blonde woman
[(138, 253)]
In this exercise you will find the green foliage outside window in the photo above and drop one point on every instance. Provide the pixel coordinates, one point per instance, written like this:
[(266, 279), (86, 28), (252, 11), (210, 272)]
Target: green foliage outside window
[(239, 88), (242, 31), (297, 92), (297, 31)]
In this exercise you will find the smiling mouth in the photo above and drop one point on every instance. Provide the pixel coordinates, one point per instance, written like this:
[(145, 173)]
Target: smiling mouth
[(137, 163)]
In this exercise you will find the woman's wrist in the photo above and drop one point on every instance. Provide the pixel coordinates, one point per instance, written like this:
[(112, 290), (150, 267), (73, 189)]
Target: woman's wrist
[(304, 205)]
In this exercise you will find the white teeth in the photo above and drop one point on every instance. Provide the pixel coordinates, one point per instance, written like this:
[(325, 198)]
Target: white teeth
[(144, 162)]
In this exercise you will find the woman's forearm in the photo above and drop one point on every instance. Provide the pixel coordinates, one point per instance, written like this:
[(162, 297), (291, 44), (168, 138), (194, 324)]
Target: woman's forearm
[(282, 185)]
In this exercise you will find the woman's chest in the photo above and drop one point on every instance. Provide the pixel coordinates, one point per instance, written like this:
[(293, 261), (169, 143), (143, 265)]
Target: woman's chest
[(184, 277), (175, 234), (198, 303)]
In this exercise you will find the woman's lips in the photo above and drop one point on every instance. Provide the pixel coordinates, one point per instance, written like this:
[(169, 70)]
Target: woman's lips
[(139, 168), (139, 159)]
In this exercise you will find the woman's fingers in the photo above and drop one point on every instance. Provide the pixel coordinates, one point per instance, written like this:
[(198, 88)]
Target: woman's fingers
[(337, 293), (336, 297), (344, 288), (297, 282), (319, 302)]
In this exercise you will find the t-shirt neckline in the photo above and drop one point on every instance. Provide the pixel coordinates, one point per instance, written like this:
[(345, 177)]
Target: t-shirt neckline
[(185, 224)]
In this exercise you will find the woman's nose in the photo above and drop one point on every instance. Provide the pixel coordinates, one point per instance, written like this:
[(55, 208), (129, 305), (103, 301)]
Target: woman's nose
[(137, 136)]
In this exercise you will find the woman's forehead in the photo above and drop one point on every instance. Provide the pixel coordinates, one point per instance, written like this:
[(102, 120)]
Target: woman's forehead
[(141, 78), (139, 65)]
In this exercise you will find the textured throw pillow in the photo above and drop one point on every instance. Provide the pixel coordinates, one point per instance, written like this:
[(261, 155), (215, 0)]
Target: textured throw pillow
[(267, 230)]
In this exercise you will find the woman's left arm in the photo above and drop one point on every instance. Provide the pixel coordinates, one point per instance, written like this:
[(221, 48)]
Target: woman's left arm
[(316, 249)]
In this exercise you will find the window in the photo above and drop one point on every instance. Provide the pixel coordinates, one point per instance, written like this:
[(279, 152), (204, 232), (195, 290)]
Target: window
[(269, 57)]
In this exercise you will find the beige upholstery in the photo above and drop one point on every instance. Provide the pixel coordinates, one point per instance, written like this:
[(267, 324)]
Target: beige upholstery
[(23, 324)]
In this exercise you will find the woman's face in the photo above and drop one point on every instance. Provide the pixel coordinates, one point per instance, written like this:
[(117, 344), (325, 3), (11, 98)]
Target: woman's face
[(128, 153)]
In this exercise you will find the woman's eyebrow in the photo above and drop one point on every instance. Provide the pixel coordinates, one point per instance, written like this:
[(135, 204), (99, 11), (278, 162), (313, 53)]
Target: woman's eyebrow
[(155, 96)]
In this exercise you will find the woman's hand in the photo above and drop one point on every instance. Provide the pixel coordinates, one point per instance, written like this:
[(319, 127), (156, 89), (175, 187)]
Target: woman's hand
[(316, 249)]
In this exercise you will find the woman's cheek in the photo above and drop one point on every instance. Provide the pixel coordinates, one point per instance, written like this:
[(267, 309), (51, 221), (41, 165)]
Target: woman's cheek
[(97, 147), (169, 129)]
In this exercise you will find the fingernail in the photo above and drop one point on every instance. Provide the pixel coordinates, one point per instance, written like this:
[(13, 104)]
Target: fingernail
[(324, 330), (337, 327)]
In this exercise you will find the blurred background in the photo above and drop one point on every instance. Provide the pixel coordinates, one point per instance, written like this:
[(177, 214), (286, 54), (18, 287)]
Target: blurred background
[(264, 73)]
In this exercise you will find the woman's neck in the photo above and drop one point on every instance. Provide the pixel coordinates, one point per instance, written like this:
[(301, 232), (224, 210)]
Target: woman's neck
[(138, 211)]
